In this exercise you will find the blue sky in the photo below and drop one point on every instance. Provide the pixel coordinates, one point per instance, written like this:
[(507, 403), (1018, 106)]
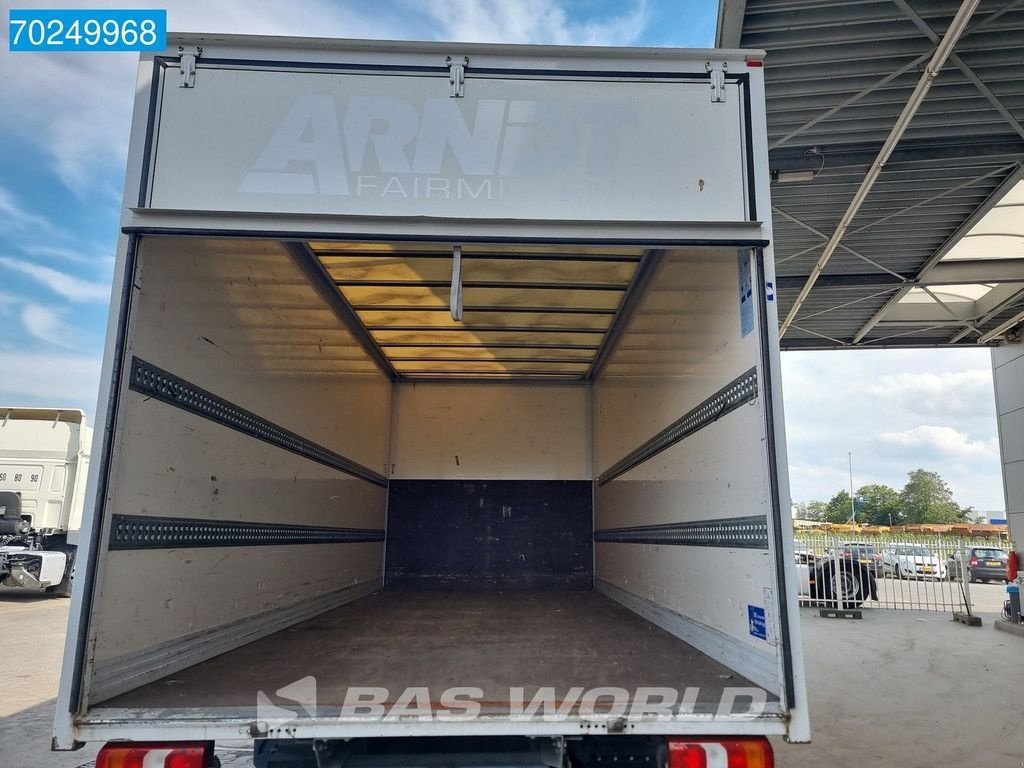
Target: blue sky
[(64, 122)]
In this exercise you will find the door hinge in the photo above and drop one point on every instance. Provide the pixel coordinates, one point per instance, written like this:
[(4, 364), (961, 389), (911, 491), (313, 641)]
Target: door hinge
[(717, 72), (187, 67), (457, 76)]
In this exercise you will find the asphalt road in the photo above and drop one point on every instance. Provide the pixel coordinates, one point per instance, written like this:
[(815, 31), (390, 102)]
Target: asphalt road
[(906, 688)]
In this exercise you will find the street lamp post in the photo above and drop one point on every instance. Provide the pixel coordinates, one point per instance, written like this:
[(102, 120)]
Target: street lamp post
[(853, 504)]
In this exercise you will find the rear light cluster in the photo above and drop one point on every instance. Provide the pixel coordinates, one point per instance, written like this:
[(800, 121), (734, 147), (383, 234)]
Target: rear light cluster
[(156, 755), (720, 753), (974, 561)]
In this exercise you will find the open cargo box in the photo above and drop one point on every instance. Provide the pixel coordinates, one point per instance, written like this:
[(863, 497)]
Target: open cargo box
[(311, 470)]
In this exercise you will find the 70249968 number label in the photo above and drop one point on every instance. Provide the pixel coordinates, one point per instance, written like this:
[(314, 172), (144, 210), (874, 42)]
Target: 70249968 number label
[(87, 30)]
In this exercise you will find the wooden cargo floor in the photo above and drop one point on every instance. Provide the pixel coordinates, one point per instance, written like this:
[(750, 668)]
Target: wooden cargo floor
[(439, 639)]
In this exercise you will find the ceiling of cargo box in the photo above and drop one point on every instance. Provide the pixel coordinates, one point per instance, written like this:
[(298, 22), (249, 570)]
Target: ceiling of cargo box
[(527, 311), (934, 255)]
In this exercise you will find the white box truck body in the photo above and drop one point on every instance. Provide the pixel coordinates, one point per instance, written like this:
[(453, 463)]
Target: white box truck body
[(441, 412), (44, 461)]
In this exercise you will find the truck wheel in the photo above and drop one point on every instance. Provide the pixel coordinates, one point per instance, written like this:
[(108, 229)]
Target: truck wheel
[(850, 586), (64, 588)]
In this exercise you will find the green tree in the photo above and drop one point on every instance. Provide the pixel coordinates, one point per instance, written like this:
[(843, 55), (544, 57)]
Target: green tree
[(927, 498), (879, 505), (811, 510), (839, 508)]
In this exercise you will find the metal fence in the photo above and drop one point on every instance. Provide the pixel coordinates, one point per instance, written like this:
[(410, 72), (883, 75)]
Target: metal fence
[(908, 572)]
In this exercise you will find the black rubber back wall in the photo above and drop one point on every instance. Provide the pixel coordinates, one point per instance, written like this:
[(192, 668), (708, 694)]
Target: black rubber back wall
[(490, 534)]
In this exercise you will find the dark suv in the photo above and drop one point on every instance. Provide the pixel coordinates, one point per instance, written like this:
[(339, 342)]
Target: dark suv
[(983, 564)]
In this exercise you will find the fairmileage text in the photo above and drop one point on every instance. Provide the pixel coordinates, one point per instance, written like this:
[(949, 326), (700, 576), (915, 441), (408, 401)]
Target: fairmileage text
[(87, 30)]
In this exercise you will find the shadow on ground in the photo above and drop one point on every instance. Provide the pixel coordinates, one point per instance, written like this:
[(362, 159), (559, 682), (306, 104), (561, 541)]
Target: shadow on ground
[(25, 741)]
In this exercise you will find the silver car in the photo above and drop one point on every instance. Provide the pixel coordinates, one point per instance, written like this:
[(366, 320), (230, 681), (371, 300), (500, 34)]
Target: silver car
[(912, 561)]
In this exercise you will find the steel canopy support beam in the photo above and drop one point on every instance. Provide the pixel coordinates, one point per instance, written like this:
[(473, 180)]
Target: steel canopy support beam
[(962, 66), (942, 52), (1000, 192), (823, 236), (981, 321), (943, 273), (975, 271), (952, 190), (1002, 328), (912, 64), (840, 156)]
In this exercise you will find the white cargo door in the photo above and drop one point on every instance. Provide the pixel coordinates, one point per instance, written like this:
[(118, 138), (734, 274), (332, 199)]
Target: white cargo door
[(632, 148)]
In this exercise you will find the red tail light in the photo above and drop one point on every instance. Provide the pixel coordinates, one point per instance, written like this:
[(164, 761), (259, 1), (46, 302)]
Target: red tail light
[(974, 561), (720, 753), (171, 754)]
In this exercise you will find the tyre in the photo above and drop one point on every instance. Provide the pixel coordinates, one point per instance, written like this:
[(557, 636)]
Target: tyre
[(971, 577), (849, 586), (63, 589)]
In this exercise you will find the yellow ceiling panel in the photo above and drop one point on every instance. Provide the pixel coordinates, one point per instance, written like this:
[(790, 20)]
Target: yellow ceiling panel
[(365, 297), (540, 271), (488, 366), (398, 318), (530, 311), (488, 353), (477, 338), (391, 296)]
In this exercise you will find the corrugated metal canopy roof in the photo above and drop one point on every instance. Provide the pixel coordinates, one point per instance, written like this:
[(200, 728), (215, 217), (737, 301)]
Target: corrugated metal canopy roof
[(838, 75)]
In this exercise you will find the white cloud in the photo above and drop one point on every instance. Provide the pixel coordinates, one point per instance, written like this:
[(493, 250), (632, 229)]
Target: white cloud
[(941, 393), (14, 218), (42, 379), (68, 286), (816, 481), (532, 21), (47, 324), (896, 411), (73, 255), (77, 107), (9, 304), (942, 440)]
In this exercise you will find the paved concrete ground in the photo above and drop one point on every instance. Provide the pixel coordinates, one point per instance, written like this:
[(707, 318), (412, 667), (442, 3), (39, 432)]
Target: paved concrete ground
[(32, 637), (909, 689)]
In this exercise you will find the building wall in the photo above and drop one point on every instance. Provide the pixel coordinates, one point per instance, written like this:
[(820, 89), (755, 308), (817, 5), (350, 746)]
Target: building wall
[(1008, 376)]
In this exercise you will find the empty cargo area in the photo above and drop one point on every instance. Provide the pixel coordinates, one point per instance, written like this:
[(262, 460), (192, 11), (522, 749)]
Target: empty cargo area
[(435, 465), (438, 640)]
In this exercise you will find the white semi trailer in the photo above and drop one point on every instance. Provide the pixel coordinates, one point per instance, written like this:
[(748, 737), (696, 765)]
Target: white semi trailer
[(44, 461), (441, 419)]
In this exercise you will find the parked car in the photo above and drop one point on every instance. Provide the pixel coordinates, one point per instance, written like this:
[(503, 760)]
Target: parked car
[(865, 554), (983, 564), (912, 561), (803, 553)]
